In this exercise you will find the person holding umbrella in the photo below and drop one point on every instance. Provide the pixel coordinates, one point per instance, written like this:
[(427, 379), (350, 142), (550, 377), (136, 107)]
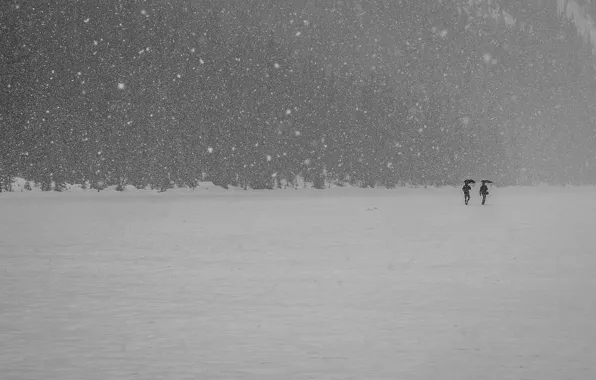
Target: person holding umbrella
[(466, 189), (484, 190)]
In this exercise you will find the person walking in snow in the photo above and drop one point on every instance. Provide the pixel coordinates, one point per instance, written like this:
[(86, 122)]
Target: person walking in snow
[(483, 192), (466, 189)]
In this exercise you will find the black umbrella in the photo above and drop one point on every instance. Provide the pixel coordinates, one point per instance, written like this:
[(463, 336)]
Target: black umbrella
[(486, 181), (467, 181)]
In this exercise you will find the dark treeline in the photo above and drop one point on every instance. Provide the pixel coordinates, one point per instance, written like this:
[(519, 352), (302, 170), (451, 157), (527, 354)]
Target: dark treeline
[(255, 93)]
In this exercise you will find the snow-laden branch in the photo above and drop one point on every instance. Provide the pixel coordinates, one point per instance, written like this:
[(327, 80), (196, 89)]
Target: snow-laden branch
[(578, 14)]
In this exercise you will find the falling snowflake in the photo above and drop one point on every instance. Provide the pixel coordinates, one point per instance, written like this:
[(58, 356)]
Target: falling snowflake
[(307, 161), (276, 65), (465, 120), (144, 12), (487, 57), (269, 158), (86, 20), (288, 111), (121, 86), (297, 133), (298, 34), (443, 33), (210, 149), (201, 62), (306, 22)]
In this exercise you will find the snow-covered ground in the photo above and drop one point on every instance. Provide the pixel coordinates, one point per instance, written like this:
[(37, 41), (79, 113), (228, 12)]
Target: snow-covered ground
[(334, 284)]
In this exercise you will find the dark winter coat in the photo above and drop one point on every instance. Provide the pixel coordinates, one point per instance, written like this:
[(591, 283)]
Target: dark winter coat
[(466, 189), (483, 190)]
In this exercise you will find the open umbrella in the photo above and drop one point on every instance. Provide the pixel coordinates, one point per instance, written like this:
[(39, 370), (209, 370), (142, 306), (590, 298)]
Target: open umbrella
[(467, 181), (486, 181)]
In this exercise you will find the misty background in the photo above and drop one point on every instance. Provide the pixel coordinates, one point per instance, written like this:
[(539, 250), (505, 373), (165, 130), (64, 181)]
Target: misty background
[(260, 92)]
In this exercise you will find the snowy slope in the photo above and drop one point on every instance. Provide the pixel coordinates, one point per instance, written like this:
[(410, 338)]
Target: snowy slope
[(334, 284)]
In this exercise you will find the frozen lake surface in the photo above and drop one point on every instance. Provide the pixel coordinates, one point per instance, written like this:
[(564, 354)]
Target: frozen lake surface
[(335, 284)]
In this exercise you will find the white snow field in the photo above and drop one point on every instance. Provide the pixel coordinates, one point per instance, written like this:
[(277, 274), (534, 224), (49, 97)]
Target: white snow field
[(334, 284)]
